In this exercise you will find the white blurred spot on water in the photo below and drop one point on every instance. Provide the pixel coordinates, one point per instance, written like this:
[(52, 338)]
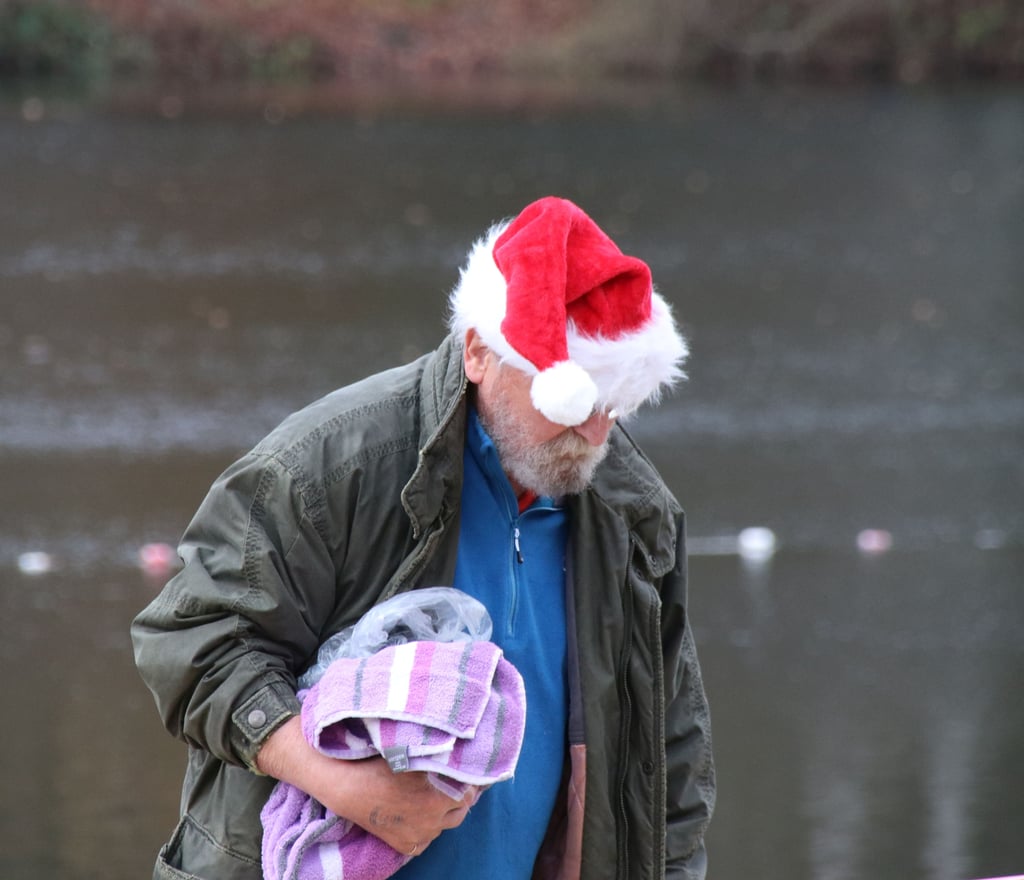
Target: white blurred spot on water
[(874, 541), (35, 562)]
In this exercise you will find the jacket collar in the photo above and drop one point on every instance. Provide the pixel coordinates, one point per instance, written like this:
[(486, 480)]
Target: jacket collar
[(436, 484), (626, 482)]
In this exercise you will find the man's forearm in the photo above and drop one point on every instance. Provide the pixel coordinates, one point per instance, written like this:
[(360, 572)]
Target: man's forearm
[(402, 809), (286, 755)]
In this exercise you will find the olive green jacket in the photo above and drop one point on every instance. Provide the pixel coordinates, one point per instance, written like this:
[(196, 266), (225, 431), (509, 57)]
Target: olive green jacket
[(357, 497)]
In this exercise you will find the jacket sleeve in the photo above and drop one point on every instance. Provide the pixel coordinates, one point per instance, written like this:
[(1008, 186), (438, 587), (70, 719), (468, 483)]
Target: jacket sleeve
[(221, 645), (690, 767)]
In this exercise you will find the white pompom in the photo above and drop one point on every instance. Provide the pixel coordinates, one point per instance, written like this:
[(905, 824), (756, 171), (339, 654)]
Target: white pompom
[(564, 394)]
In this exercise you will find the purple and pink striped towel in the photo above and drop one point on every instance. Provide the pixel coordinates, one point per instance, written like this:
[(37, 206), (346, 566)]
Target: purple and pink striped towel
[(456, 710)]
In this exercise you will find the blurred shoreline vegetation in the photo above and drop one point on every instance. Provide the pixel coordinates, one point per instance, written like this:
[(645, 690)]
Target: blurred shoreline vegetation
[(357, 41)]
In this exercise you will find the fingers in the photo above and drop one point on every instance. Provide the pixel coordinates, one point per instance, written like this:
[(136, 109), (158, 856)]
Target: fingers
[(454, 817), (405, 810), (458, 811), (410, 813)]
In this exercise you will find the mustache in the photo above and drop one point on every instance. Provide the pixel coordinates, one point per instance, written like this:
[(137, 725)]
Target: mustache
[(572, 445)]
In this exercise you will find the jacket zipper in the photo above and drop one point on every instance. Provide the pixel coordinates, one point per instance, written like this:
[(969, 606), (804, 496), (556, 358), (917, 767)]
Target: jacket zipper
[(513, 573), (627, 717), (654, 638), (514, 562)]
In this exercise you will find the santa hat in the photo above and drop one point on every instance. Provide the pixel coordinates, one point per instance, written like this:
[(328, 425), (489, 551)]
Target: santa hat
[(552, 295)]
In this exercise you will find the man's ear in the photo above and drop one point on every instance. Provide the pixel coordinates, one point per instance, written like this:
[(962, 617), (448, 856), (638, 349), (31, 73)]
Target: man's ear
[(474, 357)]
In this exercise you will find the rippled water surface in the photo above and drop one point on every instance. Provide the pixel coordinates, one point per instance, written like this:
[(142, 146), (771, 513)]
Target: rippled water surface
[(848, 268)]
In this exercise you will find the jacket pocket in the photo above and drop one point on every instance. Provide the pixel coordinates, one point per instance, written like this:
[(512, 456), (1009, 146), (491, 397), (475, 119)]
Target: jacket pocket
[(193, 854)]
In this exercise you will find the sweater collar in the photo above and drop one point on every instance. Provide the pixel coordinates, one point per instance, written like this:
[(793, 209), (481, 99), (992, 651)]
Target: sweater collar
[(485, 453)]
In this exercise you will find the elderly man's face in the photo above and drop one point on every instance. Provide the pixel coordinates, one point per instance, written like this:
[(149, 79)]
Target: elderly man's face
[(536, 454)]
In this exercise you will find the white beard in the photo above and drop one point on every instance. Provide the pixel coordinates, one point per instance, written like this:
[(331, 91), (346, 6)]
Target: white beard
[(564, 465)]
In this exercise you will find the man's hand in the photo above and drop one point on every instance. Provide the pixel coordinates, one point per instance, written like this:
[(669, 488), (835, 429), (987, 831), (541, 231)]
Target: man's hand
[(402, 809)]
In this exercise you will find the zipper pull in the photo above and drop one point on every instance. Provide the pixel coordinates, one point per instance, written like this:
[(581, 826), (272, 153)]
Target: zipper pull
[(515, 541)]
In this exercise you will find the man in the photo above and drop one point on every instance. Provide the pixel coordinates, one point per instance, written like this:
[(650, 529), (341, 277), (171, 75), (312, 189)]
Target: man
[(495, 464)]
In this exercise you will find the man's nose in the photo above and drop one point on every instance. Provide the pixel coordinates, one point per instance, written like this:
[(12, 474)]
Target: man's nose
[(596, 428)]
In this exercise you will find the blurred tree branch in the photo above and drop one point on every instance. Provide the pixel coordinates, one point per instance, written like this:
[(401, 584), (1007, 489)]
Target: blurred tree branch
[(907, 40)]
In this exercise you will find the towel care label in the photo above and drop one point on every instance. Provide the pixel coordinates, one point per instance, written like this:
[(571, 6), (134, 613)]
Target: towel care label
[(397, 758)]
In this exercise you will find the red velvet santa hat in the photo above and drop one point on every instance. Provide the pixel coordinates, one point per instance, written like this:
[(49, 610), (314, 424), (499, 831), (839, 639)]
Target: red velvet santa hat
[(551, 293)]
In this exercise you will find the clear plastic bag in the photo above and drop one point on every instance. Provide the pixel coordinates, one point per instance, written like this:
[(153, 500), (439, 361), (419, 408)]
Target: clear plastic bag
[(437, 614)]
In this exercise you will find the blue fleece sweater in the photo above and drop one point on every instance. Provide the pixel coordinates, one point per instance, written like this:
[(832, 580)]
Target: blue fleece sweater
[(515, 564)]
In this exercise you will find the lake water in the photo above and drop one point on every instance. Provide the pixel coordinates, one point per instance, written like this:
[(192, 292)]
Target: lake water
[(176, 276)]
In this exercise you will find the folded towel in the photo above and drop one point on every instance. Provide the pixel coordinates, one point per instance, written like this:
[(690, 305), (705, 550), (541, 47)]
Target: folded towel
[(456, 710), (453, 708), (303, 840)]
